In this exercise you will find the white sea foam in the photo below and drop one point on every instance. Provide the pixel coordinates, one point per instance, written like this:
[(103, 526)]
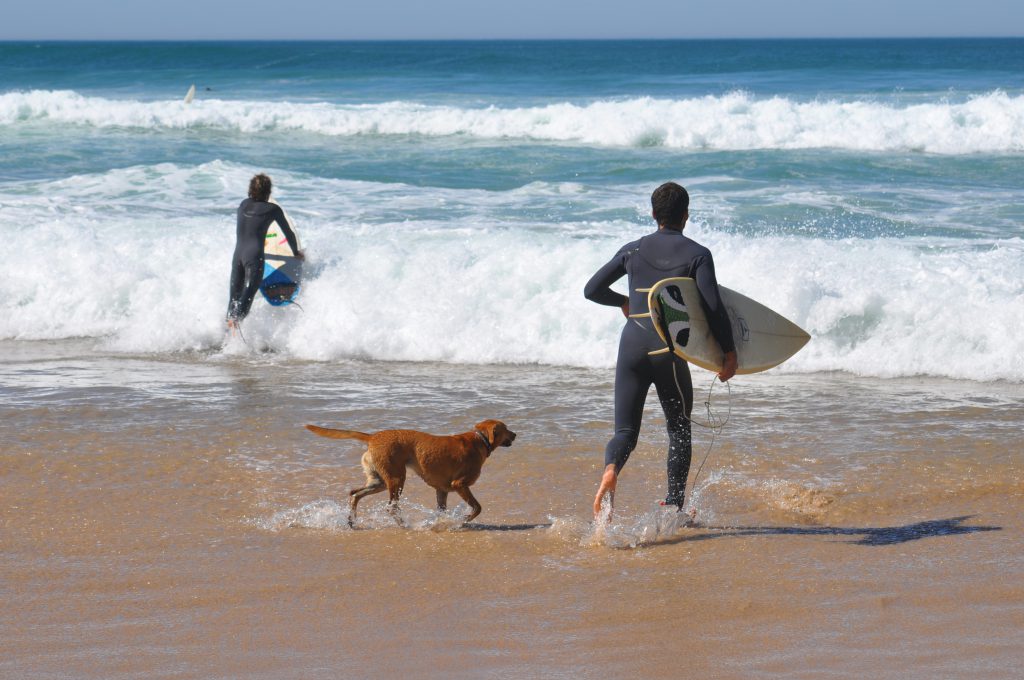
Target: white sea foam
[(374, 513), (114, 256), (986, 123)]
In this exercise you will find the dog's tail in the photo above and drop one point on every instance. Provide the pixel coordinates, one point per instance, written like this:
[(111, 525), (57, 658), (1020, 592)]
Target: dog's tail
[(338, 434)]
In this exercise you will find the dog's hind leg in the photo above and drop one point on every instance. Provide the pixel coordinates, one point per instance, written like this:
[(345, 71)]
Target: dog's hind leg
[(374, 484), (356, 494)]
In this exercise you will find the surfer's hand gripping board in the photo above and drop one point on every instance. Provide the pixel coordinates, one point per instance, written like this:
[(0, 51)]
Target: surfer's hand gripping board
[(763, 338)]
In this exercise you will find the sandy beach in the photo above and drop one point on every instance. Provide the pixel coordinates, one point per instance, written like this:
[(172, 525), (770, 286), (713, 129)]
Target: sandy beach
[(173, 519)]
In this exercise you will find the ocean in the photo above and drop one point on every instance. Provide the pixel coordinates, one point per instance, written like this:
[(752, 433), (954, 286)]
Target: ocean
[(164, 514)]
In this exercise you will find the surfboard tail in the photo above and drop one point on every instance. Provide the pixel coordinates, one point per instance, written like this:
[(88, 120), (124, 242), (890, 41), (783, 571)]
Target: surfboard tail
[(338, 434)]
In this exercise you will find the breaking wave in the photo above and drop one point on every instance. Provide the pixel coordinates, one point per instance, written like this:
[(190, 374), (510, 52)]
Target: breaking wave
[(986, 123)]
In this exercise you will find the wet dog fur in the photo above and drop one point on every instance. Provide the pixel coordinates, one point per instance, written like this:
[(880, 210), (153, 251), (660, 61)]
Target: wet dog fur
[(446, 463)]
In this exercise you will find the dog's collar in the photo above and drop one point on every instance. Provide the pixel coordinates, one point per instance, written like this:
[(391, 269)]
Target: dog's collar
[(487, 444)]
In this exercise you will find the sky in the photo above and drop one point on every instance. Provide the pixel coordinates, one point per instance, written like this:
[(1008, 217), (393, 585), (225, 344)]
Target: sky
[(504, 19)]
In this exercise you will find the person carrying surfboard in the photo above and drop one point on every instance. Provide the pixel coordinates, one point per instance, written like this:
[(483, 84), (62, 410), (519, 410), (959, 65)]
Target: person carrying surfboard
[(255, 216), (659, 255)]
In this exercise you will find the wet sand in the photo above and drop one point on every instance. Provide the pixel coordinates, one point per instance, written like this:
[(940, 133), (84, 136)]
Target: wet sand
[(169, 517)]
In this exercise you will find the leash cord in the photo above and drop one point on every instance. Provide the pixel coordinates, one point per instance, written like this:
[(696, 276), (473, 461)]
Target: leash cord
[(713, 423), (238, 325), (238, 328)]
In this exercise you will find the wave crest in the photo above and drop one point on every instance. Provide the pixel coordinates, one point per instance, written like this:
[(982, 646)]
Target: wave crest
[(987, 123)]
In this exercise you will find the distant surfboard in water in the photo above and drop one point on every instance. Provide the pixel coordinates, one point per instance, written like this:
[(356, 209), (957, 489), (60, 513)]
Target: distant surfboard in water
[(191, 94)]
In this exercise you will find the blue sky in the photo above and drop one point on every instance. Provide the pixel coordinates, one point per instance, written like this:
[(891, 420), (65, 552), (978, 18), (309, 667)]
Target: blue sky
[(487, 19)]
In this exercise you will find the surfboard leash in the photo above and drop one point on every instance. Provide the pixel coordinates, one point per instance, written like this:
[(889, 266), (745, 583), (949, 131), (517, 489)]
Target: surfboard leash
[(713, 423), (238, 329)]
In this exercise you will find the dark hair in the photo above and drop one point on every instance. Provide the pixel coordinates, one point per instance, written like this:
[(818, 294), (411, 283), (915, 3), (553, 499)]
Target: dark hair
[(670, 203), (259, 187)]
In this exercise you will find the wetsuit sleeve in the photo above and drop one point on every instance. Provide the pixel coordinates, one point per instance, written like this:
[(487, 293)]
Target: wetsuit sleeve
[(597, 288), (288, 233), (718, 317)]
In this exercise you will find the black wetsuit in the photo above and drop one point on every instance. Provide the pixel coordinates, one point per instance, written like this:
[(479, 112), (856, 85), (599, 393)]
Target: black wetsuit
[(663, 254), (254, 218)]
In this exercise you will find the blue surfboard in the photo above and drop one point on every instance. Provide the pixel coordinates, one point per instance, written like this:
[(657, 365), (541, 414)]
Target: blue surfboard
[(282, 270)]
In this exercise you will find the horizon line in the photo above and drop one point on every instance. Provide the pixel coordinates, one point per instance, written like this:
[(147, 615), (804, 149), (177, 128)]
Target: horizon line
[(547, 39)]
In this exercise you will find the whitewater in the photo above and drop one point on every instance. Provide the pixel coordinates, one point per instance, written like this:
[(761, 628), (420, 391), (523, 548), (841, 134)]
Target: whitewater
[(992, 122), (453, 199), (394, 288)]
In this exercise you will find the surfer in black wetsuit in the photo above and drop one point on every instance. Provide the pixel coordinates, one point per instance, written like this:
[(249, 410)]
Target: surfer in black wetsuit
[(663, 254), (255, 215)]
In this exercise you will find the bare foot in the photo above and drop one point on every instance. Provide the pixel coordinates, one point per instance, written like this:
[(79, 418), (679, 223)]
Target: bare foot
[(608, 481)]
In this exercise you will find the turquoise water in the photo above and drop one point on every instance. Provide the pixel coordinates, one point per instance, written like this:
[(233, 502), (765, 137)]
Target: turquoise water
[(868, 189)]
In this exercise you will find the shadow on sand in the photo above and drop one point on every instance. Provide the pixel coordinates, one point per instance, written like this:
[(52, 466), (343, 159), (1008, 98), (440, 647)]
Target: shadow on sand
[(505, 527), (864, 536)]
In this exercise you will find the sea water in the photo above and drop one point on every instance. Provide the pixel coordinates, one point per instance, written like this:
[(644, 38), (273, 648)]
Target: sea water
[(868, 190)]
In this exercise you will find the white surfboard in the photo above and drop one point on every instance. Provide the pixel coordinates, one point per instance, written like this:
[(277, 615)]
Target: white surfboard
[(191, 94), (282, 270), (763, 337)]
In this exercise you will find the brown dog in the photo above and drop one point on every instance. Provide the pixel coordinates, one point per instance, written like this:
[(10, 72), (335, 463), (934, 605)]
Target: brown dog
[(450, 463)]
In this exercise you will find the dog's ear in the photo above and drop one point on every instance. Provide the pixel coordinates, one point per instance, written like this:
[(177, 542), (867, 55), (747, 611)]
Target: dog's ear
[(496, 432), (499, 433), (490, 430), (485, 428)]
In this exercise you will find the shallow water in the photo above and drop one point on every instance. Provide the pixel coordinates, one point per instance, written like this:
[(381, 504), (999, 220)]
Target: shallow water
[(169, 516)]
